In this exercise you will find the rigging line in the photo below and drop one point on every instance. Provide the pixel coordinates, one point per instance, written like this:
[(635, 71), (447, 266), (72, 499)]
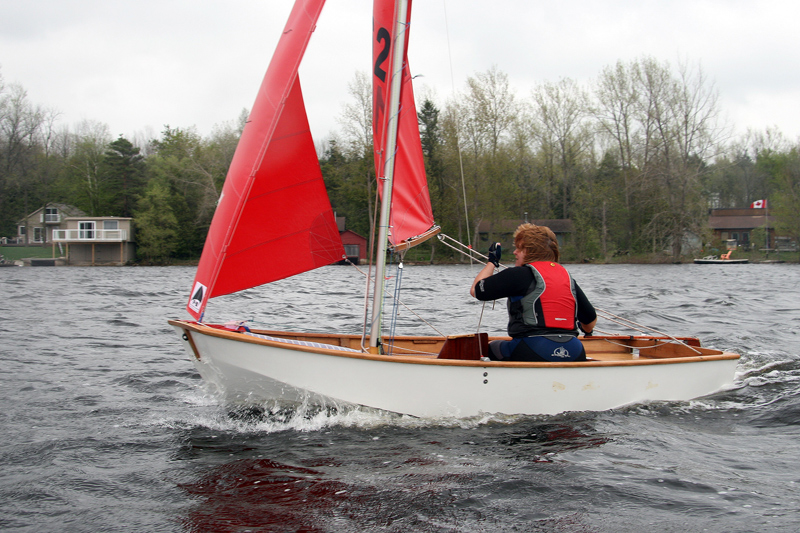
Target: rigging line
[(478, 329), (396, 296), (608, 316), (469, 251), (461, 248), (656, 345), (622, 321), (480, 321), (603, 332), (400, 302), (411, 350), (604, 314), (458, 131), (631, 322)]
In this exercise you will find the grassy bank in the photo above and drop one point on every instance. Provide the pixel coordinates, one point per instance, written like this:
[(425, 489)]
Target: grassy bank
[(14, 253)]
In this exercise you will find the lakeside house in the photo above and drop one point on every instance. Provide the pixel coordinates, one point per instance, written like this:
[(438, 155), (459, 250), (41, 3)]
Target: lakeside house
[(355, 246), (738, 225), (37, 227), (97, 240), (79, 239)]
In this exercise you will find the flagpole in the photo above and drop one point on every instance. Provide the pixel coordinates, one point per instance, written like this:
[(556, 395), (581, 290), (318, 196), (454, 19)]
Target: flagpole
[(766, 224)]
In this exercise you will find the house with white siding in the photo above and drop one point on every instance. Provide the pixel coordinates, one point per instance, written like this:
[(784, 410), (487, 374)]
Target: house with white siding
[(78, 238)]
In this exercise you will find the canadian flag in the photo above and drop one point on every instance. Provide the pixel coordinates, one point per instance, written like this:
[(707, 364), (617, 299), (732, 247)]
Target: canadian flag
[(759, 204)]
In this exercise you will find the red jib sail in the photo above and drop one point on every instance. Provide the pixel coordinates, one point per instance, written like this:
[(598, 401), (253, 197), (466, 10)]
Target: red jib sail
[(274, 218), (411, 213)]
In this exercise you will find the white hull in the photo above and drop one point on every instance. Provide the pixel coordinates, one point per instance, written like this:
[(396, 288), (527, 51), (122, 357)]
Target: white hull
[(242, 367)]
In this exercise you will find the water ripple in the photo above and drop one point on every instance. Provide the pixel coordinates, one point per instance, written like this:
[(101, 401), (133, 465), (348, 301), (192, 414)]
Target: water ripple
[(107, 422)]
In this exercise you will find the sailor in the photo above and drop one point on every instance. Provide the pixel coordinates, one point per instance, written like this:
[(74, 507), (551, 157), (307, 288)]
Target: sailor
[(546, 307)]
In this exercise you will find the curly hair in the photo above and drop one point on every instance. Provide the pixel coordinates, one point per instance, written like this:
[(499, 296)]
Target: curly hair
[(539, 243)]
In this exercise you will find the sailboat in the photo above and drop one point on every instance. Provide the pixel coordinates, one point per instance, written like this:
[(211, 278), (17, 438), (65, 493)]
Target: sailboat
[(259, 217)]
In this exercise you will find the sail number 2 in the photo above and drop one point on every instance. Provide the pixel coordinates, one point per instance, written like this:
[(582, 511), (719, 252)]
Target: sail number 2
[(384, 44), (385, 37)]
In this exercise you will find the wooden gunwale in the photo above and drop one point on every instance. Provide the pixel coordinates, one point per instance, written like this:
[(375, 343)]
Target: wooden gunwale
[(429, 358)]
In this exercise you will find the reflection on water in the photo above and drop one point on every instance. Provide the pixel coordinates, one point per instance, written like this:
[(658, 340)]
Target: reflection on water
[(263, 495), (392, 478)]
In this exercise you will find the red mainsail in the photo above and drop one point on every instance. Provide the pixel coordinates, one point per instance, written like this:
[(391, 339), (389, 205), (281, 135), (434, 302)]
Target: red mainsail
[(274, 218), (411, 213)]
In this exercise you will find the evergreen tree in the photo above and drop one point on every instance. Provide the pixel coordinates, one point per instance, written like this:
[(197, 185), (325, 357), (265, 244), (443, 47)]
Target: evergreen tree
[(430, 135), (123, 168)]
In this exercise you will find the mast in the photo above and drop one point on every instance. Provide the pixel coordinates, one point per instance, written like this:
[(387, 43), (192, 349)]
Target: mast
[(396, 73)]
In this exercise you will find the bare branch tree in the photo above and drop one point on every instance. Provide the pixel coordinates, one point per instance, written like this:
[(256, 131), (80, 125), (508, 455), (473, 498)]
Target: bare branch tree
[(356, 117), (561, 111)]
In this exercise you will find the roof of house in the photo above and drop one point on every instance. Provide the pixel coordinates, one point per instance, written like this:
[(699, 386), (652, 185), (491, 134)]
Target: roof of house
[(738, 211), (84, 217), (351, 232), (557, 225), (65, 209), (741, 222)]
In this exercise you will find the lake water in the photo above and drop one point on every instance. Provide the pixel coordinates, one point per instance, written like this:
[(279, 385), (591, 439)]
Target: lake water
[(107, 426)]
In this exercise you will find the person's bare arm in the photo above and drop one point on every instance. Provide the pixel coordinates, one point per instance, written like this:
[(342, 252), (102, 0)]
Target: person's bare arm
[(588, 328)]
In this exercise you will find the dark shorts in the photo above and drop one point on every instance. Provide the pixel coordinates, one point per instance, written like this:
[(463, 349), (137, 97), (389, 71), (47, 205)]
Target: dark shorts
[(551, 348)]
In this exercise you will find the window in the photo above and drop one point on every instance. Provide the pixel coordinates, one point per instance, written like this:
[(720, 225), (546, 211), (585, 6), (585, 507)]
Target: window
[(38, 234), (86, 230), (22, 231), (51, 215), (744, 238), (111, 230), (351, 250)]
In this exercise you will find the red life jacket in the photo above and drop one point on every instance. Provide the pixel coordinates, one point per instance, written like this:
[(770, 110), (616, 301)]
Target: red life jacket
[(556, 295)]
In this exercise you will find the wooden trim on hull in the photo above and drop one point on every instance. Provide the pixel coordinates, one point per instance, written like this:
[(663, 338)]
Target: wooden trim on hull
[(603, 351), (187, 336)]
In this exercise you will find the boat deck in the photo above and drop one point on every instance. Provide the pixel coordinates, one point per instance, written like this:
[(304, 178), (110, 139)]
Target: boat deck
[(470, 348)]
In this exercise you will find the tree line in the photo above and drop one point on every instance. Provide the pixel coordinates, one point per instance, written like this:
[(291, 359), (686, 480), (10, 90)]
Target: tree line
[(635, 160)]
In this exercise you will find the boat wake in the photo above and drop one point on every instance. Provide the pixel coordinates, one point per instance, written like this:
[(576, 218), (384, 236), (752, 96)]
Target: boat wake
[(759, 390), (275, 416)]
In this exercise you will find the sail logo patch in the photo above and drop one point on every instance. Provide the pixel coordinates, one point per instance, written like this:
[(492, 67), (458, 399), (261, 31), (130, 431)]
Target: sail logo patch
[(198, 294)]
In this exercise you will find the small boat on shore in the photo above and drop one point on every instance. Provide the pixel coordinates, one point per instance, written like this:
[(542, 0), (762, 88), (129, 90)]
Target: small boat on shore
[(724, 259), (8, 262), (714, 260)]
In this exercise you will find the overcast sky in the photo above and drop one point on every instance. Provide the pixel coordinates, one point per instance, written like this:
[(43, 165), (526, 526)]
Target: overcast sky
[(137, 66)]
